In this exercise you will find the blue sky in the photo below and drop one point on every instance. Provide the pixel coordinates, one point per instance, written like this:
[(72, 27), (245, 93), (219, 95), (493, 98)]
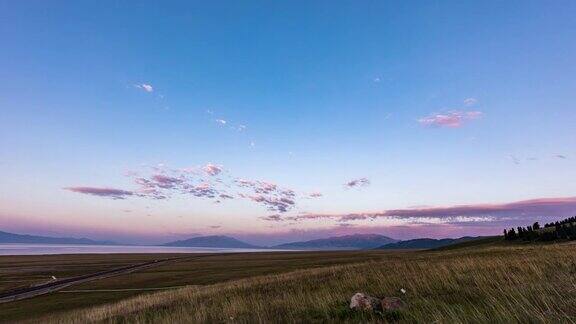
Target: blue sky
[(437, 103)]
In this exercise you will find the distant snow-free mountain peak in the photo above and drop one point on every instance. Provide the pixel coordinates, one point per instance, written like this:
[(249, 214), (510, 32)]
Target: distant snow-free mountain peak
[(213, 241)]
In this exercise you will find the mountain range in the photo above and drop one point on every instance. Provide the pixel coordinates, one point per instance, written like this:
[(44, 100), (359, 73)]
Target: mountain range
[(347, 242), (6, 237)]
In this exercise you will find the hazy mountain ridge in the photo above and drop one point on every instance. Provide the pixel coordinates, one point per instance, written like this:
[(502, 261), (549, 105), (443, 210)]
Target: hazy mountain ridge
[(6, 237), (427, 243), (213, 241), (355, 241), (346, 242)]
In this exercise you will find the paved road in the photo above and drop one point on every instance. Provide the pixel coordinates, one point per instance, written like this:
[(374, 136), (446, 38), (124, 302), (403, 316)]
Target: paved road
[(29, 292)]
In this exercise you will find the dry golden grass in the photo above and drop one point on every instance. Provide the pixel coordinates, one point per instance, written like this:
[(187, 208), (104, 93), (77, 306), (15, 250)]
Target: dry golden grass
[(524, 284), (197, 269)]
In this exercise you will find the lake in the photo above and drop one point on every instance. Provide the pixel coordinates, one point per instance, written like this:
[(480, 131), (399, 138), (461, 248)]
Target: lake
[(39, 249)]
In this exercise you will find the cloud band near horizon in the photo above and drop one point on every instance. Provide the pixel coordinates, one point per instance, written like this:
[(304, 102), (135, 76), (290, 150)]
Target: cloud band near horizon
[(544, 208)]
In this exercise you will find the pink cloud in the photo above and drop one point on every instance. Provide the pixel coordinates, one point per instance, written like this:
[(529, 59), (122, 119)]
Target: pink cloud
[(260, 187), (202, 182), (542, 208), (356, 183), (273, 218), (265, 187), (278, 204), (101, 192), (212, 169), (158, 186), (166, 182), (452, 119), (203, 190), (269, 194)]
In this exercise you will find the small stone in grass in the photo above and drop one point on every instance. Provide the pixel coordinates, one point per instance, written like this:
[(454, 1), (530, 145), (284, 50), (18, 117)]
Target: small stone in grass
[(361, 301), (392, 303)]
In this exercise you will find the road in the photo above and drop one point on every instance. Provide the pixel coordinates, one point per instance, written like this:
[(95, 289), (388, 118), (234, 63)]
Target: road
[(29, 292)]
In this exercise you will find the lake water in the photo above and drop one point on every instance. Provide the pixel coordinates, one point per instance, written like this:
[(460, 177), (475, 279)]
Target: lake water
[(38, 249)]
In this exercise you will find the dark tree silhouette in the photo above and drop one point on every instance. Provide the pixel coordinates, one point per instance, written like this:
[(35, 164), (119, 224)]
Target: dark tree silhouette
[(559, 230)]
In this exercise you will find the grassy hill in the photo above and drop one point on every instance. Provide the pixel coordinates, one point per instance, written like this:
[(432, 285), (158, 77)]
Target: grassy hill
[(485, 283), (476, 243), (354, 241), (428, 243)]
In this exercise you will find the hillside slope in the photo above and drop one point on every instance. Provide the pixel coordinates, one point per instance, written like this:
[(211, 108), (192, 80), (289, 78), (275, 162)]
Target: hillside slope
[(355, 241), (478, 244), (427, 243)]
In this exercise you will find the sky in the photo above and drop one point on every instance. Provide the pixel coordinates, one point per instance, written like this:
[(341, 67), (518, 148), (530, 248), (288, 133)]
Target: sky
[(277, 121)]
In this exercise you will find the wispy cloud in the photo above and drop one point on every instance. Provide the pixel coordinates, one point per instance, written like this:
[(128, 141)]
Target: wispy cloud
[(209, 181), (212, 169), (278, 204), (518, 160), (228, 124), (542, 208), (514, 159), (272, 218), (203, 190), (357, 183), (101, 192), (451, 119), (269, 194), (315, 195), (166, 182), (145, 87), (470, 102), (261, 187)]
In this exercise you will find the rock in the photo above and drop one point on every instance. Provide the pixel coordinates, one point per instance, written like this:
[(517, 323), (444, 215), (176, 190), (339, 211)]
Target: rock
[(392, 303), (361, 301)]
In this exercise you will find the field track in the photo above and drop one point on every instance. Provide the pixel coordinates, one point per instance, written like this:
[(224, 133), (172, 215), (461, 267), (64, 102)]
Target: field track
[(29, 292)]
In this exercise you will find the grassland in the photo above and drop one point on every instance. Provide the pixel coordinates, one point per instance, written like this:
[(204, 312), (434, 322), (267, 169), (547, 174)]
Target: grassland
[(487, 283), (197, 270)]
